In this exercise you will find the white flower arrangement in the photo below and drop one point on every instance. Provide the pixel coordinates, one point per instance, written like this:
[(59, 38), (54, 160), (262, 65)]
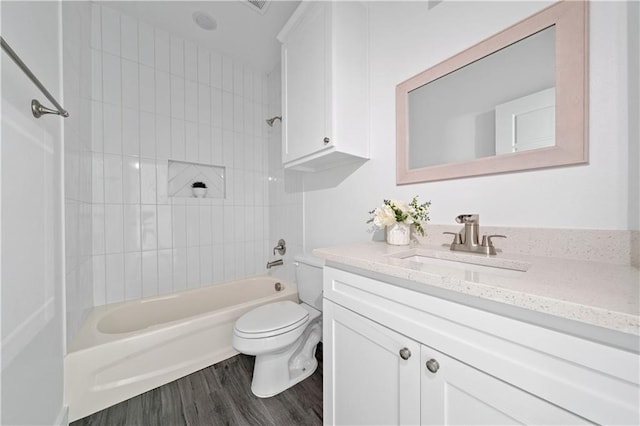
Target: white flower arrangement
[(395, 211)]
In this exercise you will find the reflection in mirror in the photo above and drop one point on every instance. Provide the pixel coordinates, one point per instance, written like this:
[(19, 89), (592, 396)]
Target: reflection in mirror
[(515, 101), (455, 118)]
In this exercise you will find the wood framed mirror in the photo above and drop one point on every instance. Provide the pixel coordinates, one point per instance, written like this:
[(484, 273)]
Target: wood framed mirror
[(515, 101)]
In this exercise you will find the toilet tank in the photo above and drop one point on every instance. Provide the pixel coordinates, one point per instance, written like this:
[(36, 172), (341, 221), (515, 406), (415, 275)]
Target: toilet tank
[(309, 280)]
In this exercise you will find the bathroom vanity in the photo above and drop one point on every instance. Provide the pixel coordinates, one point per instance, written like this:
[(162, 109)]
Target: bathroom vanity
[(423, 335)]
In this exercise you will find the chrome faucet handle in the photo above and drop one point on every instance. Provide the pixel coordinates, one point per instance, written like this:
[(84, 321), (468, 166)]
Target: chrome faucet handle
[(457, 238), (486, 239), (280, 248), (468, 218)]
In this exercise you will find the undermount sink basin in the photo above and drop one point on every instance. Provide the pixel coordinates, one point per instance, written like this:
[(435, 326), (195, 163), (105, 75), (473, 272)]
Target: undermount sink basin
[(465, 262)]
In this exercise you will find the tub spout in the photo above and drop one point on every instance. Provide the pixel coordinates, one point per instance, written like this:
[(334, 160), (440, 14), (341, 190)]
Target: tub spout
[(274, 263)]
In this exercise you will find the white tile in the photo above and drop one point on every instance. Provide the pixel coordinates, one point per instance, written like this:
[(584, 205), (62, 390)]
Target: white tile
[(96, 27), (133, 276), (177, 96), (148, 181), (131, 180), (163, 93), (191, 141), (163, 137), (162, 50), (177, 139), (238, 114), (177, 56), (238, 153), (146, 45), (111, 79), (229, 262), (249, 190), (203, 66), (217, 263), (130, 132), (204, 104), (97, 178), (227, 148), (99, 281), (165, 271), (110, 31), (190, 61), (193, 267), (216, 107), (238, 79), (97, 137), (227, 74), (147, 89), (227, 111), (179, 269), (113, 228), (96, 74), (206, 266), (191, 101), (248, 83), (165, 238), (247, 117), (193, 225), (149, 227), (149, 273), (240, 259), (229, 224), (132, 228), (97, 229), (217, 152), (257, 88), (112, 178), (217, 224), (147, 135), (130, 87), (129, 37), (215, 65), (204, 144), (179, 225), (112, 126), (162, 179), (239, 228), (205, 226)]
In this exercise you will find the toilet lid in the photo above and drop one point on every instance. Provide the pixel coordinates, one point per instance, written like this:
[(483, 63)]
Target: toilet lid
[(273, 318)]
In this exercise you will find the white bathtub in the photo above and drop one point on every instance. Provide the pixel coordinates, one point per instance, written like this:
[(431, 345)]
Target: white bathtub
[(128, 348)]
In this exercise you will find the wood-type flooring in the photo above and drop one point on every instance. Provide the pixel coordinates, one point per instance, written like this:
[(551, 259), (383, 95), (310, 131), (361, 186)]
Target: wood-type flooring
[(217, 395)]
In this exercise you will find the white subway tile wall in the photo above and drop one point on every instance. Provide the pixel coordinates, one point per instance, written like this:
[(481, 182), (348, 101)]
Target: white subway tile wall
[(156, 97), (78, 64)]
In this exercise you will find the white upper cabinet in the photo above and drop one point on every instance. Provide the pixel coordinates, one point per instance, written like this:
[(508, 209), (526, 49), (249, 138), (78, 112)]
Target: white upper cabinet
[(325, 85)]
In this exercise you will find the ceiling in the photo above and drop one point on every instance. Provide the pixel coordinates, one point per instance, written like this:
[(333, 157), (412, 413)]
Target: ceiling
[(243, 32)]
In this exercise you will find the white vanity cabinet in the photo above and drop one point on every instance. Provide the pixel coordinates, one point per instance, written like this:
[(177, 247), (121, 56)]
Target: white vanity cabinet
[(466, 365), (325, 85)]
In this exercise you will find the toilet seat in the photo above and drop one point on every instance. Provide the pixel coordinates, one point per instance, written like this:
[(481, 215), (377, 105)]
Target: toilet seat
[(270, 320)]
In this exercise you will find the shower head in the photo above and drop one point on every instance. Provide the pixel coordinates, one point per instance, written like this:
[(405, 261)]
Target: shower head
[(271, 120)]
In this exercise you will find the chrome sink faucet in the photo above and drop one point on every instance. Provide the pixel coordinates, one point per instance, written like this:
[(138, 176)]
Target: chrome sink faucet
[(467, 238)]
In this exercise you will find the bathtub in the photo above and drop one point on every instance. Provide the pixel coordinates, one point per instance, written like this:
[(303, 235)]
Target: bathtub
[(125, 349)]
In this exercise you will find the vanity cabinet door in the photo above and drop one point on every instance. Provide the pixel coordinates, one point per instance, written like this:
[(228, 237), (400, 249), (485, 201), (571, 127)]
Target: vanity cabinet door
[(367, 380), (455, 393)]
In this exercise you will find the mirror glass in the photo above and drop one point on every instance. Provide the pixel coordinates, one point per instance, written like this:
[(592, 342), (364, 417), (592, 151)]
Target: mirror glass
[(514, 101)]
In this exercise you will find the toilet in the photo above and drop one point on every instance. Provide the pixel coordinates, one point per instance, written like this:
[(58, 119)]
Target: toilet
[(283, 335)]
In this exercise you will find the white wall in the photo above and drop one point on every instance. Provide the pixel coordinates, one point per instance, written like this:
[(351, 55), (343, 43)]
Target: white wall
[(406, 38), (156, 97), (76, 69), (32, 228)]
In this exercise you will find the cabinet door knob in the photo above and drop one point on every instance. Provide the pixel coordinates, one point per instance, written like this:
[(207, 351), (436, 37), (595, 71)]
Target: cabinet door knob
[(405, 353), (433, 366), (326, 140)]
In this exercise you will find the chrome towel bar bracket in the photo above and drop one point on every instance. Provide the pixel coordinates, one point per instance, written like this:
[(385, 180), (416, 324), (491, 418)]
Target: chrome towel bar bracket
[(36, 107)]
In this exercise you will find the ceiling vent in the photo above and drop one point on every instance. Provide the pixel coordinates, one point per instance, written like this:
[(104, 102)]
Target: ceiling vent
[(259, 6)]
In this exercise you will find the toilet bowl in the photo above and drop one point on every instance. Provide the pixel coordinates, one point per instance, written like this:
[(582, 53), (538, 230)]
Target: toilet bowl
[(283, 336)]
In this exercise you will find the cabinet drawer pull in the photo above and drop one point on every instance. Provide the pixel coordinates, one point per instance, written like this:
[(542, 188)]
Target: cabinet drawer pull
[(326, 141), (405, 353), (433, 366)]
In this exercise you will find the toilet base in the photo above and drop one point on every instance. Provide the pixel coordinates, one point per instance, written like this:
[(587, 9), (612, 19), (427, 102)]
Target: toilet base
[(277, 372)]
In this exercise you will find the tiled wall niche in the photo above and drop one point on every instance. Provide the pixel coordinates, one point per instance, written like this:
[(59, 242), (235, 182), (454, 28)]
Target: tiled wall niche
[(155, 98)]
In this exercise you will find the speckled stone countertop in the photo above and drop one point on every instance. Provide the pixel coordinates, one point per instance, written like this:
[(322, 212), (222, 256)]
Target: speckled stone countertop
[(600, 294)]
